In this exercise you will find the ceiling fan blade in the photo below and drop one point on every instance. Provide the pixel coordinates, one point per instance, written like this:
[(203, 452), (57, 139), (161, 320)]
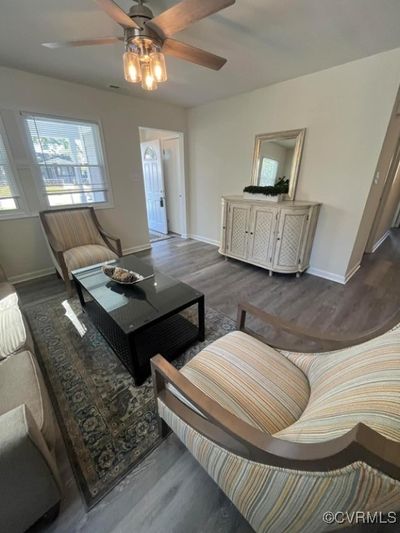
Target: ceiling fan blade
[(181, 15), (86, 42), (116, 13), (192, 54)]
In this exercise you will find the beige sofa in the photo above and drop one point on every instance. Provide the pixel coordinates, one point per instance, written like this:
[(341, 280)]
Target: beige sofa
[(29, 480)]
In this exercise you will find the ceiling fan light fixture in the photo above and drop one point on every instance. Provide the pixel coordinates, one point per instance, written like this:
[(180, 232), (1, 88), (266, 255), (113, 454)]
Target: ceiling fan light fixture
[(158, 67), (147, 38), (149, 82), (132, 69)]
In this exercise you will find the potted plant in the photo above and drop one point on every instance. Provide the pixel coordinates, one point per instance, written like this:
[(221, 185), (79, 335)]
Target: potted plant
[(269, 193)]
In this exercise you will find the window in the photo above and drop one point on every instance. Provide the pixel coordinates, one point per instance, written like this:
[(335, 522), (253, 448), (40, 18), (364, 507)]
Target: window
[(9, 197), (149, 154), (268, 172), (65, 172), (70, 158)]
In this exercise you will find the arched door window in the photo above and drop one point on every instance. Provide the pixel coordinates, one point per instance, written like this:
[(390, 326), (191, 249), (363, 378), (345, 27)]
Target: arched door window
[(149, 154)]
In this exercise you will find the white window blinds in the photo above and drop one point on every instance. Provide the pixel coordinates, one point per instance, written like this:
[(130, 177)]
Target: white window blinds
[(8, 190), (70, 158)]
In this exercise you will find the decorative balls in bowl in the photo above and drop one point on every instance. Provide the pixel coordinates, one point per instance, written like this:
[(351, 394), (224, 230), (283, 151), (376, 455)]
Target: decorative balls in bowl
[(121, 275)]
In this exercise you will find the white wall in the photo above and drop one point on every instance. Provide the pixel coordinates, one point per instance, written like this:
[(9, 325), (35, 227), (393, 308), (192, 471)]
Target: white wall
[(346, 111), (22, 247)]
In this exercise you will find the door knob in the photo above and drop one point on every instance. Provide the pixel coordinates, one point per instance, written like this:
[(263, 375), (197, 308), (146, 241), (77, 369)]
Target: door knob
[(161, 202)]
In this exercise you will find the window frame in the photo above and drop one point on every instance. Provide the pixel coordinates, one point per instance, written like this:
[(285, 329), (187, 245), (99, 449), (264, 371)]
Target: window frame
[(43, 197), (21, 211)]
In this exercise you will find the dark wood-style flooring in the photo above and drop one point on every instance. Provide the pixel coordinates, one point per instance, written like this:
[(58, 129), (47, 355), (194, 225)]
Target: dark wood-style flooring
[(169, 491)]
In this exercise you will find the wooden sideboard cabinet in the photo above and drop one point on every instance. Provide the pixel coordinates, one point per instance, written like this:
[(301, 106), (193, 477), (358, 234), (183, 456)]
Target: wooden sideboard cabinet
[(277, 236)]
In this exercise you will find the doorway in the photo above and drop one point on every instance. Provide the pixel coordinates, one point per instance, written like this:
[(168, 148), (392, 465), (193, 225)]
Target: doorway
[(163, 165)]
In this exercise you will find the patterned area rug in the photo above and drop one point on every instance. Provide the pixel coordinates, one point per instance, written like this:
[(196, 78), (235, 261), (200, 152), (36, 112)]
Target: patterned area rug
[(108, 423)]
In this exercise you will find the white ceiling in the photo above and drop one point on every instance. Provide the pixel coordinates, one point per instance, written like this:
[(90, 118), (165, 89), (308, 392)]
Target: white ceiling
[(265, 41)]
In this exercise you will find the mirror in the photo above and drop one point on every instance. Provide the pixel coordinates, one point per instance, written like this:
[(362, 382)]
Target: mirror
[(277, 159)]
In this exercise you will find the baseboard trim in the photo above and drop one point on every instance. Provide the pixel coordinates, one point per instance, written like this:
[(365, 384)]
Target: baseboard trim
[(381, 240), (350, 274), (331, 276), (138, 248), (203, 239), (27, 276)]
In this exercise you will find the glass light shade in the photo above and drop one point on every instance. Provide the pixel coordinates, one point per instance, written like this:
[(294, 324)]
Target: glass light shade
[(149, 82), (157, 62), (132, 69)]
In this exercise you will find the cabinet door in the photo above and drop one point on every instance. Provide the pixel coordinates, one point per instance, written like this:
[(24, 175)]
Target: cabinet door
[(238, 221), (262, 235), (289, 240)]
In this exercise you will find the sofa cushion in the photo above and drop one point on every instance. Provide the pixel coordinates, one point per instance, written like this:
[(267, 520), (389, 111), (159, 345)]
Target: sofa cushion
[(91, 254), (8, 296), (12, 331), (358, 384), (21, 382), (251, 380)]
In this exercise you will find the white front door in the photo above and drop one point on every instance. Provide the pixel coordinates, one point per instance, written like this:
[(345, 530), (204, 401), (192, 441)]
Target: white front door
[(170, 152), (154, 186)]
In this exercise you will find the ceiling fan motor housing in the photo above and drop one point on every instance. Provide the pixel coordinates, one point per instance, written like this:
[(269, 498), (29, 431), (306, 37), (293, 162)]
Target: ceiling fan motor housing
[(142, 14)]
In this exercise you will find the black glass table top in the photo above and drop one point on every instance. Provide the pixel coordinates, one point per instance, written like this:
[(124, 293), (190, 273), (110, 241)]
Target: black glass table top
[(134, 306)]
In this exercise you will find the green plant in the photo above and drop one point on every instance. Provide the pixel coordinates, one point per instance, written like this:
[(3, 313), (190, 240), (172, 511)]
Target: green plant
[(280, 187)]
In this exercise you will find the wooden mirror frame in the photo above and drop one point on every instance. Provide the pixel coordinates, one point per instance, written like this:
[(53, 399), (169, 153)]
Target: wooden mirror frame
[(299, 135)]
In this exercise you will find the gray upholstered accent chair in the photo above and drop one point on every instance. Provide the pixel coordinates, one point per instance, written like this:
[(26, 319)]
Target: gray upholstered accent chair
[(291, 436), (30, 487), (77, 240)]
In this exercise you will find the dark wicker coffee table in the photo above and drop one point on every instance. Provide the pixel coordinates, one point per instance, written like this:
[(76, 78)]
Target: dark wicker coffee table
[(139, 321)]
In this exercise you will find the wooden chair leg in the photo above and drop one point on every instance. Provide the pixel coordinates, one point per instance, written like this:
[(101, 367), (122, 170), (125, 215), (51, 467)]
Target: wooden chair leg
[(163, 428), (68, 287)]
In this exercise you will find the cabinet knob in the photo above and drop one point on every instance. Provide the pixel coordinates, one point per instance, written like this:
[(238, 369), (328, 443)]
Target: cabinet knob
[(278, 238)]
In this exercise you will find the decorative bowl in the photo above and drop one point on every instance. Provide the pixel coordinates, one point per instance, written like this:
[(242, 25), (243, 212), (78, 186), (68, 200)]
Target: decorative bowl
[(123, 276)]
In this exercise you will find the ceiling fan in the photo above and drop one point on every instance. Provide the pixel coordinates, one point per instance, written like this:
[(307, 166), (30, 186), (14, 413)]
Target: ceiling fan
[(148, 38)]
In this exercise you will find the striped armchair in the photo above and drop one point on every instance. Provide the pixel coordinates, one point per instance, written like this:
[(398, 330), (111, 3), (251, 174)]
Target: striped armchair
[(77, 240), (291, 436)]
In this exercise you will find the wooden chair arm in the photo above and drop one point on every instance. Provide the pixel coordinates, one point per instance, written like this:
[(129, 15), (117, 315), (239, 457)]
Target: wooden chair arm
[(324, 340), (230, 432), (107, 236)]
